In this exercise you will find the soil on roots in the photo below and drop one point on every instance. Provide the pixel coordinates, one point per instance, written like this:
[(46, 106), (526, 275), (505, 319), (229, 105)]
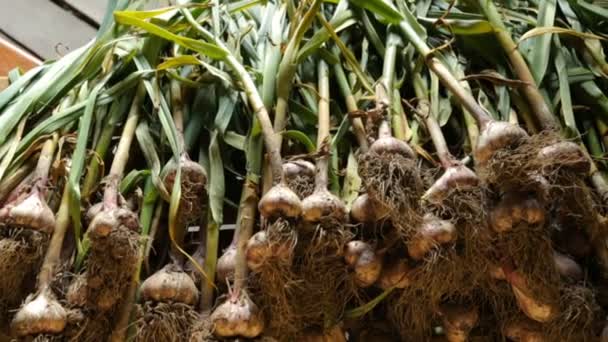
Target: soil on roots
[(273, 284), (578, 317), (328, 237), (576, 207), (497, 306), (467, 210), (516, 167), (43, 338), (443, 274), (411, 314), (397, 183), (498, 300), (21, 252), (302, 185), (309, 290), (564, 165), (573, 205), (519, 319), (325, 284), (463, 205), (273, 287), (530, 250), (93, 327), (193, 192), (494, 311), (283, 237), (109, 267), (170, 322), (202, 330)]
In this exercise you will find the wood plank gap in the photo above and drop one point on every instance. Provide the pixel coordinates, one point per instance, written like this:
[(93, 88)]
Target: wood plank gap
[(17, 43), (49, 27), (77, 13)]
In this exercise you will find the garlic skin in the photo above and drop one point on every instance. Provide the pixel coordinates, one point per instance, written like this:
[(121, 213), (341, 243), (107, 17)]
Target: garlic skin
[(497, 272), (564, 154), (388, 144), (501, 220), (238, 316), (455, 177), (226, 265), (41, 315), (280, 201), (432, 233), (77, 291), (170, 284), (523, 331), (293, 169), (458, 321), (535, 310), (107, 220), (335, 334), (395, 274), (188, 167), (532, 308), (496, 135), (30, 211), (193, 186), (366, 263), (515, 208), (258, 250), (353, 251), (567, 267), (366, 210), (93, 211), (191, 268), (323, 205), (532, 211)]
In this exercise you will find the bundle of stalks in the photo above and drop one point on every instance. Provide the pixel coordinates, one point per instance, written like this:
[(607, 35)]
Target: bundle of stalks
[(389, 170), (28, 224), (311, 171)]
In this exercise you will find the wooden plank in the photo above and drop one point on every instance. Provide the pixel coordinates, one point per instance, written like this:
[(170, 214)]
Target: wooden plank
[(20, 46), (12, 56), (41, 25), (3, 85), (95, 9)]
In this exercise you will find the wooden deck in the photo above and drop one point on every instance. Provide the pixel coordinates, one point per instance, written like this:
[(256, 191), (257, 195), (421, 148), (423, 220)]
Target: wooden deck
[(48, 29), (12, 56)]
